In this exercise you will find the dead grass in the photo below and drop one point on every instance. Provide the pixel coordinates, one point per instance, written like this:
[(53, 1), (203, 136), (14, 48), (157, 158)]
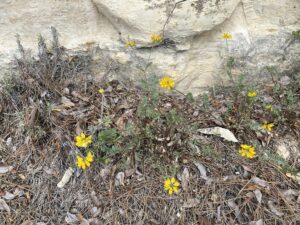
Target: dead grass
[(54, 97)]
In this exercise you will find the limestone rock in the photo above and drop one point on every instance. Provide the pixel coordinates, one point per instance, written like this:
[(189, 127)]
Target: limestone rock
[(192, 52)]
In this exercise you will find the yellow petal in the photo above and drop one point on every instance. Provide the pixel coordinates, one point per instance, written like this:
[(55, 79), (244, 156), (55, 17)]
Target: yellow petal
[(170, 191), (175, 189), (176, 184)]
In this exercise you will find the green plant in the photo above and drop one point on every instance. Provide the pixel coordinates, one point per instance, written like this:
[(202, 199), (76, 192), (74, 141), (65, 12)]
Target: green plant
[(279, 161), (296, 34)]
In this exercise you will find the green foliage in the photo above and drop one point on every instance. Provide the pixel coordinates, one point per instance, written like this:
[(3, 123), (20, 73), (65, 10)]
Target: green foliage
[(173, 118), (279, 161), (296, 34), (206, 103), (291, 99), (189, 97), (208, 151), (146, 109), (108, 136)]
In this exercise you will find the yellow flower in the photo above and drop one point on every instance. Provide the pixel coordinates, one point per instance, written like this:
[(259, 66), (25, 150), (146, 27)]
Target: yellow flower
[(267, 126), (130, 44), (247, 151), (83, 163), (83, 141), (80, 162), (156, 38), (252, 94), (101, 91), (171, 185), (166, 82), (89, 159), (269, 108), (227, 36)]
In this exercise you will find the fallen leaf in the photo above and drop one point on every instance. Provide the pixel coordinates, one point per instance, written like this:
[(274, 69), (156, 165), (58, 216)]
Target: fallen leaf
[(219, 131), (65, 179), (185, 178), (95, 198), (290, 195), (71, 218), (119, 180), (9, 196), (191, 202), (201, 169), (4, 206), (67, 103), (258, 222), (274, 210), (261, 182), (5, 169), (258, 195)]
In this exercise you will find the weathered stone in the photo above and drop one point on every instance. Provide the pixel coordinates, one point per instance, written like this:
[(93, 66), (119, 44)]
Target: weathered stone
[(193, 51)]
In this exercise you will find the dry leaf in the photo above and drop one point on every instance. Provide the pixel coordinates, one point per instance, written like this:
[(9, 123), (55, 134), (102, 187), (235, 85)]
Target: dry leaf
[(65, 179), (258, 222), (4, 206), (201, 169), (258, 195), (9, 196), (5, 169), (261, 182), (219, 131), (191, 202), (290, 195), (185, 178), (119, 180), (273, 209), (67, 103), (71, 218)]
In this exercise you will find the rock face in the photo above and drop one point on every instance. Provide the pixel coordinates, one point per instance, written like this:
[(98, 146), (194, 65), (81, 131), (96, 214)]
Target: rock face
[(193, 51)]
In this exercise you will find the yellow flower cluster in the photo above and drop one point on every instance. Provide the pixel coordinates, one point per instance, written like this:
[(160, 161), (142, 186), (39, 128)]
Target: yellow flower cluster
[(83, 163), (156, 38), (166, 82), (83, 141), (268, 126), (247, 151), (171, 185), (227, 36), (251, 94), (130, 43)]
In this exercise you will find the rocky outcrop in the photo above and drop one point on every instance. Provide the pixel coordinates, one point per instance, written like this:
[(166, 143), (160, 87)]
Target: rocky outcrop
[(193, 51)]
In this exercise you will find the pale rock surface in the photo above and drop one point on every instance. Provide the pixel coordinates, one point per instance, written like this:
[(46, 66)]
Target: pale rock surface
[(193, 51)]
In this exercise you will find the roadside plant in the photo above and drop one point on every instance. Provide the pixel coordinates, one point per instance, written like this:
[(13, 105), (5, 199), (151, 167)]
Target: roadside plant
[(84, 162), (171, 185), (267, 126), (83, 141), (156, 38), (247, 151), (167, 83)]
